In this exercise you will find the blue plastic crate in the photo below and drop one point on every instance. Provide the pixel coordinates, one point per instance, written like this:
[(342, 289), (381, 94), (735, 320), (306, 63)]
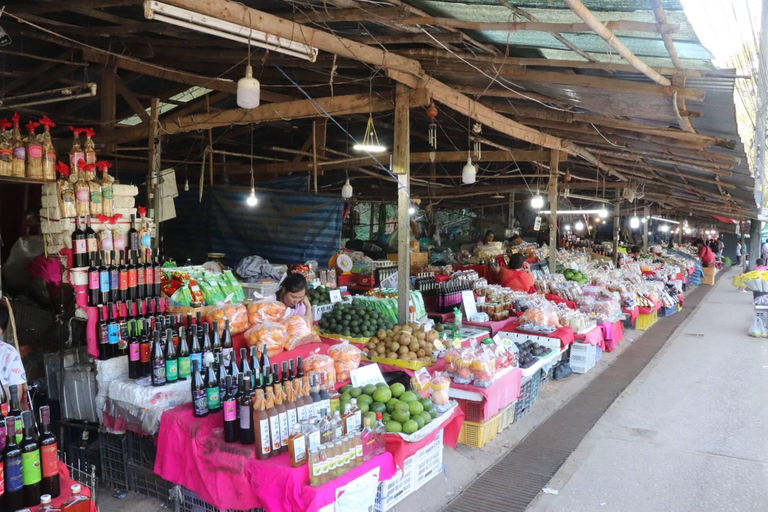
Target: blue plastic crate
[(668, 311)]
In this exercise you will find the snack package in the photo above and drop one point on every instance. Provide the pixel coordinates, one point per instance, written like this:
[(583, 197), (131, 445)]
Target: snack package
[(317, 363), (181, 296), (235, 313), (451, 356), (421, 383), (266, 309), (439, 385), (236, 286), (274, 334), (95, 197), (211, 291), (105, 240), (346, 358)]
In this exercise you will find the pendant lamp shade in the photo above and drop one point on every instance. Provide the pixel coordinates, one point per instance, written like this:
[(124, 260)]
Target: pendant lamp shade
[(468, 173), (346, 190), (248, 90)]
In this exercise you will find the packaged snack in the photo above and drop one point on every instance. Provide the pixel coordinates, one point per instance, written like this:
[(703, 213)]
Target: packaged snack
[(421, 382), (211, 291), (464, 367), (274, 334), (181, 297), (451, 356), (317, 363), (235, 313), (346, 358), (266, 309), (236, 286)]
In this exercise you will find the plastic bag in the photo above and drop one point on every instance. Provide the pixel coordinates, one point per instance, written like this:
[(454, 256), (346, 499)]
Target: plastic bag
[(421, 382), (298, 333), (274, 334), (266, 309), (235, 313), (440, 385), (758, 329), (484, 368), (451, 356), (317, 363), (346, 357)]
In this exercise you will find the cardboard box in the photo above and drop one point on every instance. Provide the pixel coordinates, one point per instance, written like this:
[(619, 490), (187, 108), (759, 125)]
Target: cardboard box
[(415, 246), (708, 280), (709, 271)]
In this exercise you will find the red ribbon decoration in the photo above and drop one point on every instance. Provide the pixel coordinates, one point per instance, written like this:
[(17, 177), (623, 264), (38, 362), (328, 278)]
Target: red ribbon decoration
[(103, 165), (47, 122), (89, 132), (109, 220), (142, 211), (15, 118), (62, 169), (4, 124), (31, 125), (76, 131)]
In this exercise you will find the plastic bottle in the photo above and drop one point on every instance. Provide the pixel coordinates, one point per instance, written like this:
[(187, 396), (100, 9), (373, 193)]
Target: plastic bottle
[(282, 415), (77, 502), (380, 431), (297, 447), (315, 467), (368, 437), (274, 422)]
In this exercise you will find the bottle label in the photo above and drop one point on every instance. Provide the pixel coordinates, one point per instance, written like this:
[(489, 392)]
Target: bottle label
[(4, 410), (184, 367), (317, 468), (132, 278), (339, 430), (114, 280), (103, 334), (35, 151), (196, 357), (50, 460), (325, 466), (333, 462), (134, 241), (146, 240), (135, 352), (144, 350), (96, 196), (158, 275), (314, 439), (301, 411), (20, 153), (82, 194), (140, 275), (14, 480), (246, 417), (158, 372), (104, 282), (214, 401), (80, 246), (284, 435), (92, 245), (292, 419), (123, 281), (274, 429), (359, 451), (264, 430), (200, 402), (230, 410), (149, 275), (300, 452), (93, 280), (358, 420), (2, 480), (19, 430), (226, 356), (107, 192), (114, 333), (310, 410), (172, 370), (30, 467)]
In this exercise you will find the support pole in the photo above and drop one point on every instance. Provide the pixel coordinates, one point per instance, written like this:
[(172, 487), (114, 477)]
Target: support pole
[(108, 93), (554, 163), (762, 109), (511, 214), (755, 243), (646, 215), (314, 154), (153, 168), (401, 168), (616, 229)]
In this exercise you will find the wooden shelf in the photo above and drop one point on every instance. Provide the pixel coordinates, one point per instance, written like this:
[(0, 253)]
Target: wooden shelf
[(24, 181)]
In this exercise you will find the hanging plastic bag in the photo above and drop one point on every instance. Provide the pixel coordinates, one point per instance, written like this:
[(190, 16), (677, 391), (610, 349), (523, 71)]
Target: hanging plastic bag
[(273, 334), (758, 329)]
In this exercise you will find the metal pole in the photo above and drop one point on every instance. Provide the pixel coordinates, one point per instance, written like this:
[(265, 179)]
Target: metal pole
[(755, 242), (616, 230), (554, 163), (647, 216), (762, 106), (401, 169), (511, 214)]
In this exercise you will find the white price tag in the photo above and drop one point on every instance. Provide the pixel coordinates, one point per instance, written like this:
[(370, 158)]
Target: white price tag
[(335, 296), (537, 223), (369, 374), (468, 303)]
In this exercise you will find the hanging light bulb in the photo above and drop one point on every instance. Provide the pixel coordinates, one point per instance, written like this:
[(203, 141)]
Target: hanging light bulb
[(371, 142), (537, 201), (603, 212), (468, 173), (411, 210), (252, 201), (664, 228), (346, 190), (579, 225), (432, 134), (687, 231), (248, 90), (567, 227), (634, 222), (186, 185)]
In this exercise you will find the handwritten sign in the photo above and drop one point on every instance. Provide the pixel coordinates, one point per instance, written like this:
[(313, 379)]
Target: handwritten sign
[(369, 374)]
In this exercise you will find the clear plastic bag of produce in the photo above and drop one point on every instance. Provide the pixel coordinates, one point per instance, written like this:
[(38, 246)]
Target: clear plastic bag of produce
[(758, 329), (483, 367), (235, 313), (298, 333), (266, 309), (421, 383), (440, 385), (346, 358), (451, 357), (318, 363), (464, 367), (274, 334)]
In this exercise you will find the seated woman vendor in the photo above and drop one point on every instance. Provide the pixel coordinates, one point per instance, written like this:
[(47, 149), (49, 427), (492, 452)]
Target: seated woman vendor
[(293, 293), (515, 277)]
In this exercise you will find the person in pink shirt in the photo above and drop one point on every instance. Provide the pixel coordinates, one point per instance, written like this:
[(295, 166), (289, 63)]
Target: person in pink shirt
[(705, 254), (760, 264), (293, 293)]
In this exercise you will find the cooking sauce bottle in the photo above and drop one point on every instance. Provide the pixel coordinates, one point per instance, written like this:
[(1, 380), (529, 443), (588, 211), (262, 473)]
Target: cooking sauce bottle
[(274, 422), (282, 415), (261, 420)]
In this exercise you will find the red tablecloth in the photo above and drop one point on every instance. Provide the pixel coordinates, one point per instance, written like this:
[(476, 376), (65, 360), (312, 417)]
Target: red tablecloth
[(613, 333), (633, 314), (502, 392), (65, 485), (229, 476), (564, 334), (443, 318), (493, 326), (648, 311), (401, 449), (559, 300)]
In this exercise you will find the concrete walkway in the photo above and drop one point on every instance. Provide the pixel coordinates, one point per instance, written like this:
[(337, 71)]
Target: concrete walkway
[(690, 433)]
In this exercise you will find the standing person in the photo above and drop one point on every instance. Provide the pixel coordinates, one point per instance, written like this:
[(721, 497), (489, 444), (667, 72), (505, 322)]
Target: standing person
[(293, 293), (764, 250), (739, 247), (705, 254), (515, 277), (720, 247)]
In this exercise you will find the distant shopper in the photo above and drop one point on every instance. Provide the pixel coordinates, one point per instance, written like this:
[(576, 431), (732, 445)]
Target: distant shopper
[(515, 277), (705, 254), (720, 247), (764, 250), (515, 240), (634, 253), (739, 248), (488, 238), (11, 369), (760, 264)]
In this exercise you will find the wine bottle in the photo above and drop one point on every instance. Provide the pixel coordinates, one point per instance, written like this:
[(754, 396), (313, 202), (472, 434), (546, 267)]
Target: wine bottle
[(149, 274), (141, 277), (244, 366), (13, 499), (30, 461), (207, 348), (113, 329), (133, 235), (247, 432), (158, 361), (216, 345), (196, 352), (145, 349), (114, 277), (226, 345), (133, 291), (212, 389), (48, 455), (94, 291), (221, 371), (79, 245), (91, 241), (102, 333), (184, 359), (104, 278), (134, 355), (199, 398), (158, 269), (231, 427), (239, 393), (171, 360), (124, 336), (122, 271)]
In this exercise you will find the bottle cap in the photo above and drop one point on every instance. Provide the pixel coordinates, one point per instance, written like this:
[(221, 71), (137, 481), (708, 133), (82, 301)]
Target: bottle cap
[(45, 499), (76, 489)]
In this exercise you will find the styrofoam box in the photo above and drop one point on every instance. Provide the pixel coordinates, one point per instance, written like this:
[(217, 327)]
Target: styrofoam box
[(583, 357)]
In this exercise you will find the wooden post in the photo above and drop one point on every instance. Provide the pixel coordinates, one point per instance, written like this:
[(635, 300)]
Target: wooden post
[(210, 142), (554, 163), (511, 213), (153, 168), (401, 168), (108, 93), (314, 153), (616, 228), (647, 217)]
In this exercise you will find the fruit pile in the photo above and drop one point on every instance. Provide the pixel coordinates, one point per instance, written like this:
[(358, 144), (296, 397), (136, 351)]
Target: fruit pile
[(356, 319), (529, 351), (404, 342), (576, 275), (319, 296), (402, 411)]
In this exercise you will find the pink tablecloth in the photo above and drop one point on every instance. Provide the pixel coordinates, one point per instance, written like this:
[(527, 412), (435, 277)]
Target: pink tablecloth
[(613, 333), (564, 334), (633, 314), (648, 311), (229, 476), (593, 337), (502, 392), (401, 449)]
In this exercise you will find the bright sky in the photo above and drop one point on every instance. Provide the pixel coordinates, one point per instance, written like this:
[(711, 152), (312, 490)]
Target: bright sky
[(724, 25)]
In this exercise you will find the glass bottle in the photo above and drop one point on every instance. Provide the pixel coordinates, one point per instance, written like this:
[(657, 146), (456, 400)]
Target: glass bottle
[(77, 502), (216, 345), (326, 429), (6, 153), (145, 350), (171, 359), (261, 420), (309, 402), (313, 433), (16, 413), (227, 350), (122, 271), (212, 389), (368, 437), (301, 409), (313, 461), (199, 399), (244, 366), (222, 373), (184, 359), (380, 433), (229, 404), (325, 396), (333, 461), (102, 334), (357, 441), (158, 361), (325, 450), (347, 419), (19, 162), (317, 401), (357, 414), (282, 415), (133, 235), (48, 455), (30, 461), (104, 278), (133, 291), (46, 506), (79, 245), (196, 353), (338, 449), (34, 152), (290, 408), (13, 498), (297, 447), (207, 348), (274, 422), (89, 149), (338, 425)]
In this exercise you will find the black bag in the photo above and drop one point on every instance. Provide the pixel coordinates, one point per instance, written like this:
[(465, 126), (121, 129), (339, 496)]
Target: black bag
[(562, 370)]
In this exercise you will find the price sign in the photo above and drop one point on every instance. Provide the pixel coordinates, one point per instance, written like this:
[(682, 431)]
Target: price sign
[(369, 374), (537, 223), (335, 296), (468, 304)]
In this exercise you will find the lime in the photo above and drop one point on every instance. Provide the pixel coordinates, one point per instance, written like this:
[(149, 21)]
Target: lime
[(427, 403), (397, 389), (364, 399), (385, 417), (382, 395), (426, 417), (391, 404), (346, 388), (394, 426), (408, 396), (370, 389), (415, 408), (382, 385), (433, 413), (363, 407), (410, 426), (345, 398), (355, 392), (400, 415), (420, 420), (378, 407)]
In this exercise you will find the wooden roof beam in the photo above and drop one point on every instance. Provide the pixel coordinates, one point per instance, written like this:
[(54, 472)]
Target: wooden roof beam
[(370, 14), (447, 38), (65, 5), (537, 26)]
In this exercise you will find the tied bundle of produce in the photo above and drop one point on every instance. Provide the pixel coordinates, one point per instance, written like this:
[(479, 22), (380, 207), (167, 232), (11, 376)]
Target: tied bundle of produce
[(19, 161), (107, 188), (95, 192), (6, 151), (90, 149), (49, 152), (272, 334), (76, 153), (346, 357), (145, 235), (439, 388), (235, 313), (298, 333), (421, 383), (34, 151), (82, 191), (266, 309), (65, 192), (317, 364)]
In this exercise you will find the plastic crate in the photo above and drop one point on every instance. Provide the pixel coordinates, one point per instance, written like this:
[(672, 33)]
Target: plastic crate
[(113, 454), (679, 308), (188, 501), (507, 417), (473, 411), (142, 450), (667, 311), (418, 469), (583, 357), (529, 392), (598, 354), (644, 322), (149, 484), (478, 435)]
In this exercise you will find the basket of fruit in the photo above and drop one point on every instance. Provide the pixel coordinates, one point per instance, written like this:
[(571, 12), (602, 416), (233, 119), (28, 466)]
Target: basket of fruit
[(355, 321), (408, 346)]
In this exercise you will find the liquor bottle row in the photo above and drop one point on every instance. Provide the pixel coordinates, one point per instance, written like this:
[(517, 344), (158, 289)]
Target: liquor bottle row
[(119, 322), (86, 241), (114, 277), (77, 502), (449, 295)]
